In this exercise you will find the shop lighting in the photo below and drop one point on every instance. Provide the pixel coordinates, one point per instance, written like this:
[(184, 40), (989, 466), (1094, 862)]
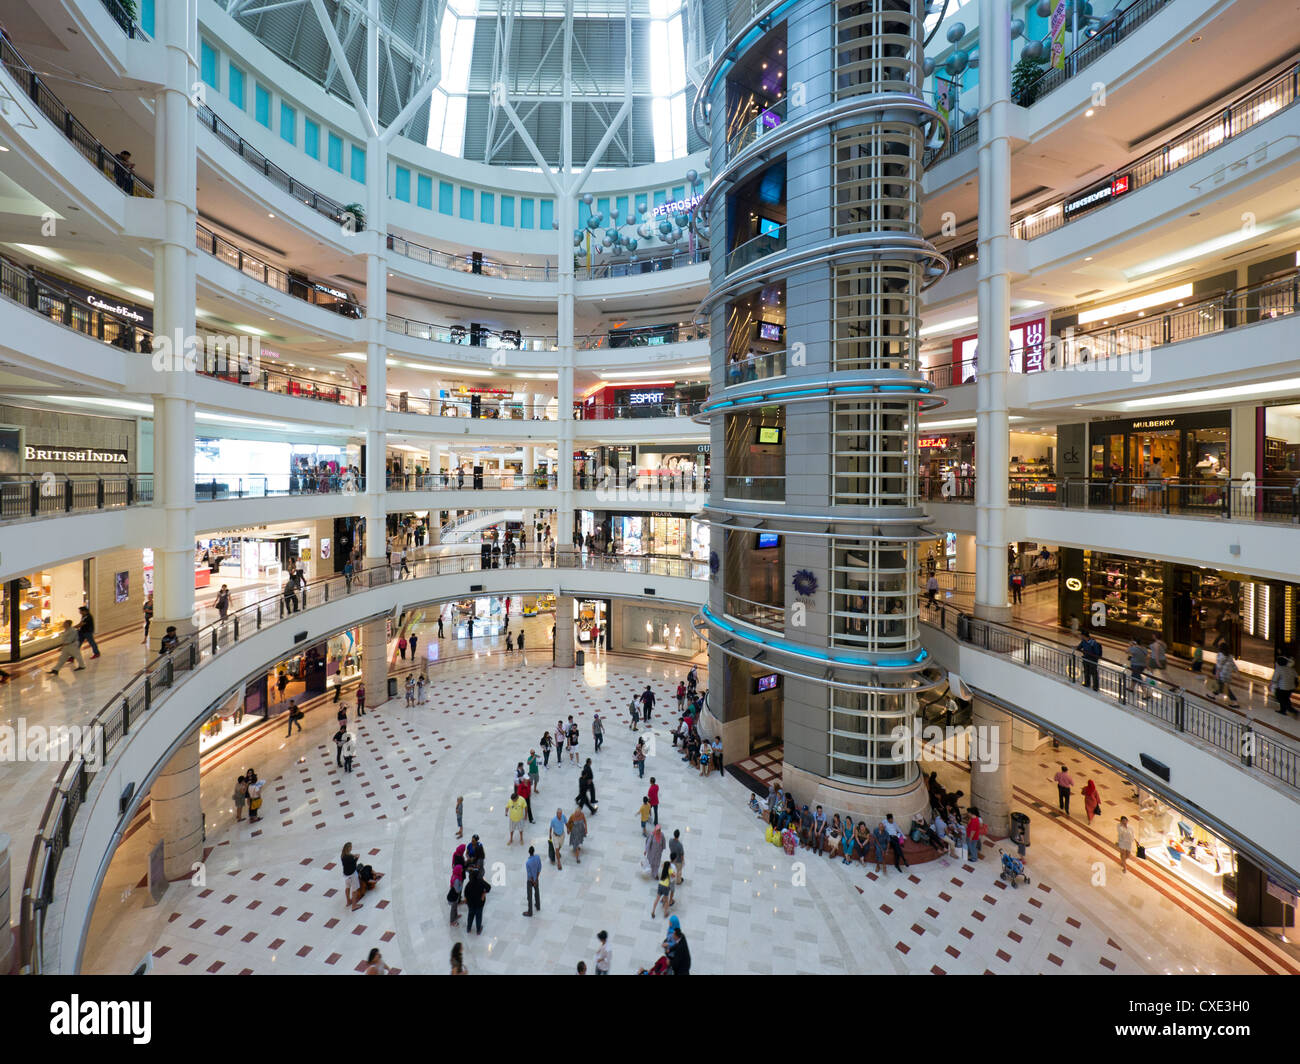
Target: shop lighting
[(1240, 391), (40, 252), (948, 326), (1137, 303)]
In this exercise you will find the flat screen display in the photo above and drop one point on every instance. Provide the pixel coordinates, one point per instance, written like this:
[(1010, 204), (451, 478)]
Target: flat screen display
[(769, 330), (770, 682), (768, 540), (769, 227), (769, 434)]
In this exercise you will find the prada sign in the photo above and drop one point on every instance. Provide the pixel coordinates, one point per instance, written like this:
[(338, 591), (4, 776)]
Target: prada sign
[(86, 454)]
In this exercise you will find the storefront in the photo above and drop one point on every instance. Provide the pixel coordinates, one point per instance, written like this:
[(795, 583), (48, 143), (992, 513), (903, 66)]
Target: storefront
[(639, 628), (948, 457), (664, 535), (592, 616), (253, 554), (116, 321), (34, 607), (267, 467), (1184, 605), (1191, 448), (1174, 841)]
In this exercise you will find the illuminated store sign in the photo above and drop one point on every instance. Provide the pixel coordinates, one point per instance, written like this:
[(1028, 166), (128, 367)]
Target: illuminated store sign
[(932, 443), (644, 398), (1026, 355), (1096, 196), (118, 310), (676, 206), (86, 454)]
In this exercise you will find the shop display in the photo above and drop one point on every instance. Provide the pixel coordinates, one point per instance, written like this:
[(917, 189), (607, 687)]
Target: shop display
[(1187, 849), (1132, 590)]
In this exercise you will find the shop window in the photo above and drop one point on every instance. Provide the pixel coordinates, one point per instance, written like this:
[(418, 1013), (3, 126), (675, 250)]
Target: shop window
[(487, 203), (508, 211), (288, 123), (525, 214), (547, 214), (311, 138), (208, 64)]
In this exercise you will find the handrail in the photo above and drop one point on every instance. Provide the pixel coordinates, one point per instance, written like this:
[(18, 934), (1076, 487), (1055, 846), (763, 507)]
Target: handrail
[(644, 336), (260, 270), (105, 161), (28, 495), (755, 248), (1246, 111), (141, 693), (1230, 735), (1223, 498), (762, 366), (491, 481), (209, 487), (669, 408), (122, 15)]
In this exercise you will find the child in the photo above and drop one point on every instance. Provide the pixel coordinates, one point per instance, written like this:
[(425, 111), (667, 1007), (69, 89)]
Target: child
[(1198, 658), (645, 814), (460, 814), (420, 686), (410, 690)]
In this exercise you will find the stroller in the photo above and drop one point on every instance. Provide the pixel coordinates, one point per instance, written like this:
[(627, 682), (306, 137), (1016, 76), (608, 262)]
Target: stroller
[(1013, 868)]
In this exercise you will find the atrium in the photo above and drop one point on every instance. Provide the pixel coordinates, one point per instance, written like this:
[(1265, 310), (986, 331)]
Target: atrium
[(821, 477)]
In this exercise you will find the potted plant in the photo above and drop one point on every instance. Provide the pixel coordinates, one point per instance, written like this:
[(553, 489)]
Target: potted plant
[(1024, 80), (354, 217)]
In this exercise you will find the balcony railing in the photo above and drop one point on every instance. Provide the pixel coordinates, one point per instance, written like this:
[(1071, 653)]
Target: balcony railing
[(753, 128), (756, 248), (466, 481), (649, 411), (512, 340), (123, 15), (761, 367), (27, 495), (757, 489), (476, 263), (146, 690), (1233, 737), (82, 139), (758, 614), (210, 487)]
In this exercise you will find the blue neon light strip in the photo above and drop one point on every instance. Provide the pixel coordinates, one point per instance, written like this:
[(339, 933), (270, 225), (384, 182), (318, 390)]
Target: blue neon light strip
[(797, 651), (844, 389)]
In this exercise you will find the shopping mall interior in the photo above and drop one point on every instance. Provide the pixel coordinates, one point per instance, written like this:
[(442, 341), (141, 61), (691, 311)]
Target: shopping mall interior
[(852, 444)]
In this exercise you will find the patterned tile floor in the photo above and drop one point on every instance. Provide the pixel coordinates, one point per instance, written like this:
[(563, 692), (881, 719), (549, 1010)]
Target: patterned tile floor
[(272, 896)]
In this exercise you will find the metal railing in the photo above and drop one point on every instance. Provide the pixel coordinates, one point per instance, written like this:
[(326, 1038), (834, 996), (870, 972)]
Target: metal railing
[(752, 129), (759, 367), (260, 270), (758, 614), (82, 139), (24, 287), (489, 481), (1222, 498), (653, 482), (755, 248), (1230, 734), (758, 489), (269, 378), (27, 495), (477, 263), (644, 336), (646, 411), (146, 689), (320, 203), (124, 16), (405, 403), (209, 487)]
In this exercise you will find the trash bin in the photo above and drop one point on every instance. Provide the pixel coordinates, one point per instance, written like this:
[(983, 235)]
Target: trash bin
[(582, 658), (392, 687)]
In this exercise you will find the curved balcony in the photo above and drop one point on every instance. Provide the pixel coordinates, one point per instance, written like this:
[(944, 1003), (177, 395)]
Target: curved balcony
[(77, 829), (767, 366), (213, 487)]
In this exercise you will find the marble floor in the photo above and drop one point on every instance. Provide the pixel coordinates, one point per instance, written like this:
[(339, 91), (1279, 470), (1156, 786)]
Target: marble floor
[(271, 895)]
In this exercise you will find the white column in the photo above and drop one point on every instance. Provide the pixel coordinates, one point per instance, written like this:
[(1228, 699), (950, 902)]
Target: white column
[(564, 613), (990, 764), (174, 298), (566, 211), (176, 812), (992, 441), (374, 245)]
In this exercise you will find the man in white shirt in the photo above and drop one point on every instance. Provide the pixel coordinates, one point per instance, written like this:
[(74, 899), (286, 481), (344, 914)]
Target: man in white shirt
[(604, 955)]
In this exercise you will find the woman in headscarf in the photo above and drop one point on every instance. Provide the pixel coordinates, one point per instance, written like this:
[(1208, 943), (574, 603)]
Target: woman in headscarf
[(1091, 800), (654, 849)]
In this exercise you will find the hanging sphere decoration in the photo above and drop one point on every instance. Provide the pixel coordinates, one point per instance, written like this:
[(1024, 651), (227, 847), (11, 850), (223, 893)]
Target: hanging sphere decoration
[(587, 198), (693, 177), (957, 63), (681, 221), (956, 32), (1033, 51), (1045, 8), (928, 66), (631, 245), (665, 226), (1017, 28), (967, 117), (606, 240)]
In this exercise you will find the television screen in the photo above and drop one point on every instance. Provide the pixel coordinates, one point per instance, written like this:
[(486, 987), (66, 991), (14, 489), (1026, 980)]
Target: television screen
[(768, 330), (770, 682), (769, 227), (769, 434), (770, 119), (768, 540)]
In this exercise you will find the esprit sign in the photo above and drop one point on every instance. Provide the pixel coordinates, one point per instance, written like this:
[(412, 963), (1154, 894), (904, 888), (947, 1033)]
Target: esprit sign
[(1096, 196), (86, 454), (645, 398), (1026, 354), (676, 206)]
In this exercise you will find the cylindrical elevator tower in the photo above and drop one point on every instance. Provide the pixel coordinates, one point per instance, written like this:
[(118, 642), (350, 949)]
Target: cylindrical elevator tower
[(817, 130)]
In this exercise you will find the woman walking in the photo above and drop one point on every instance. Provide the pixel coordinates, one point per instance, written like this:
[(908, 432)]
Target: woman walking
[(577, 832), (240, 796), (664, 890), (454, 889), (654, 850), (1091, 800)]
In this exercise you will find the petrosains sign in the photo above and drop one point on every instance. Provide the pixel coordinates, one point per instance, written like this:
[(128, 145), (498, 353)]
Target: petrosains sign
[(42, 453)]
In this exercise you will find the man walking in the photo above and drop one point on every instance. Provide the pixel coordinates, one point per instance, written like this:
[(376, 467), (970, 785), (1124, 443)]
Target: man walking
[(533, 880), (647, 704), (1064, 782), (476, 892), (516, 810), (69, 650), (1090, 648), (340, 737), (349, 751), (598, 731), (86, 632), (677, 854)]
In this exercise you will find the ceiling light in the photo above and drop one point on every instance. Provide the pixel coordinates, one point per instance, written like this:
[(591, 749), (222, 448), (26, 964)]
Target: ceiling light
[(1240, 391), (956, 323), (1128, 306), (269, 214), (1089, 113)]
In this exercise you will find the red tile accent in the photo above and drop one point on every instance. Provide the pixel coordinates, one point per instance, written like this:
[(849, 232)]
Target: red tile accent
[(304, 888), (936, 970), (227, 899), (952, 951), (917, 929), (197, 924), (1073, 922), (991, 900), (281, 882), (333, 958), (188, 958), (1014, 937), (901, 893), (223, 929), (304, 918), (1026, 919), (249, 937), (387, 936), (902, 948), (1003, 955), (886, 910), (1063, 940), (279, 909), (978, 915), (966, 933), (931, 913), (1055, 959), (1114, 945), (1105, 963), (304, 951), (276, 943), (360, 929), (944, 897), (1035, 903), (215, 967)]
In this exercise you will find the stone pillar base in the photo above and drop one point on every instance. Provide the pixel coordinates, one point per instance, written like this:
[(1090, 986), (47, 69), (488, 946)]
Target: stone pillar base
[(176, 811), (990, 766), (562, 656), (845, 798), (996, 614)]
